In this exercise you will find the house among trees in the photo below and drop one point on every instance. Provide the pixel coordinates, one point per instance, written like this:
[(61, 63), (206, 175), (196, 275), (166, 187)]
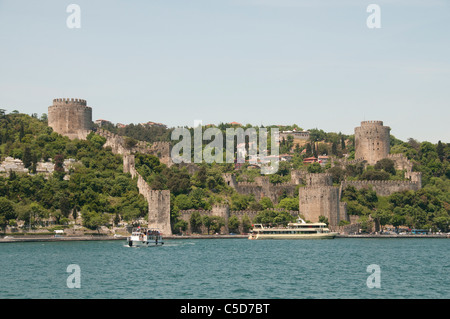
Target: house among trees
[(101, 122), (310, 160)]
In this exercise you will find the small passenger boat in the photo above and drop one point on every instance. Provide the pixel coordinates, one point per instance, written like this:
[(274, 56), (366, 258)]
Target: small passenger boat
[(141, 236)]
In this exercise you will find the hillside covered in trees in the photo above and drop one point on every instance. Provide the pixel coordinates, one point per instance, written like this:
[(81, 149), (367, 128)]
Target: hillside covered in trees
[(97, 187), (427, 208)]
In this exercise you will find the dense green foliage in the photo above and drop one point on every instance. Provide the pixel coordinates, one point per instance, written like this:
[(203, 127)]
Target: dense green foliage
[(96, 187), (427, 208)]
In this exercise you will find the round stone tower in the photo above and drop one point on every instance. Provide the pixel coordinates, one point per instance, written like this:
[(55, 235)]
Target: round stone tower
[(70, 117), (372, 141)]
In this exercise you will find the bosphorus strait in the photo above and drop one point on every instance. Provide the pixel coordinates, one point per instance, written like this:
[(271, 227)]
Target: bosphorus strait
[(234, 268)]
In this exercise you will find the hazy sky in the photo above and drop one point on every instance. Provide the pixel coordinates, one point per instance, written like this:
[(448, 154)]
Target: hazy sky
[(309, 62)]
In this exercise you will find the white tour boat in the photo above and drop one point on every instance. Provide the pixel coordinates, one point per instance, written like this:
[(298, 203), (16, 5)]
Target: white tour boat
[(298, 230), (141, 236)]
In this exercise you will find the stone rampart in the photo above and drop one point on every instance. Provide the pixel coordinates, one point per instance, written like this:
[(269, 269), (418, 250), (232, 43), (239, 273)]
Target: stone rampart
[(347, 229), (316, 201), (118, 146), (385, 187), (401, 162), (224, 212), (158, 200), (319, 179)]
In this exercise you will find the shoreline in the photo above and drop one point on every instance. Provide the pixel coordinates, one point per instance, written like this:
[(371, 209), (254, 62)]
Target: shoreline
[(106, 238), (394, 236)]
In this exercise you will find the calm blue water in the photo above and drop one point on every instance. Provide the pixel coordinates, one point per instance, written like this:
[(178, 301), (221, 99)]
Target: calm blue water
[(228, 268)]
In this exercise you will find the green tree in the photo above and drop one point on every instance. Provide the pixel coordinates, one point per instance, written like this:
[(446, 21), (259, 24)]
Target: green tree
[(216, 223), (387, 165), (27, 158), (384, 217), (266, 203), (180, 226), (440, 150), (289, 203), (207, 221), (7, 212), (130, 142), (246, 223), (96, 140), (315, 168), (375, 175), (323, 219), (233, 224), (196, 222), (183, 202), (272, 217), (94, 220), (337, 174)]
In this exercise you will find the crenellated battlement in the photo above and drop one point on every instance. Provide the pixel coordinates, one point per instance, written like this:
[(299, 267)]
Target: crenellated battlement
[(254, 184), (69, 101), (385, 187), (319, 179), (379, 182), (372, 123), (397, 155), (355, 161), (318, 187), (324, 175), (189, 212), (284, 184), (221, 206), (241, 213)]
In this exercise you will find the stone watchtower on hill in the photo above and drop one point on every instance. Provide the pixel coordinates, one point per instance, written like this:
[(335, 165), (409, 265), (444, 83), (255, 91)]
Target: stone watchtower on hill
[(70, 117), (372, 141)]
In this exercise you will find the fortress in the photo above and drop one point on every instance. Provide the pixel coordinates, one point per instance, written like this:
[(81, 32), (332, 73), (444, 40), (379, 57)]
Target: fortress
[(73, 118), (372, 141), (316, 193), (70, 117)]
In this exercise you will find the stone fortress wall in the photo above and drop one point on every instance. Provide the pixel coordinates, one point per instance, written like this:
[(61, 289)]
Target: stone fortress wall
[(384, 188), (317, 195), (320, 198), (224, 212), (73, 118), (316, 192), (158, 200), (262, 187), (117, 143)]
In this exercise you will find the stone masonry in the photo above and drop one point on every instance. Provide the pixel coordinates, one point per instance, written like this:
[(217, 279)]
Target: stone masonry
[(70, 117), (320, 198), (224, 212), (117, 143), (372, 141), (158, 200)]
